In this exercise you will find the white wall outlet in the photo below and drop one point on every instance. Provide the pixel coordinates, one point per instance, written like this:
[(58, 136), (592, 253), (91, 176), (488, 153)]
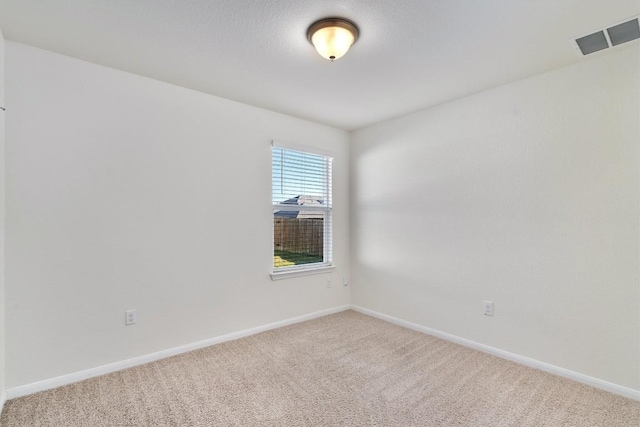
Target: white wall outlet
[(488, 308), (328, 283), (130, 317), (345, 280)]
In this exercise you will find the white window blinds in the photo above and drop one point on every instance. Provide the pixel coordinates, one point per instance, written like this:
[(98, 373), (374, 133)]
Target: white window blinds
[(301, 199)]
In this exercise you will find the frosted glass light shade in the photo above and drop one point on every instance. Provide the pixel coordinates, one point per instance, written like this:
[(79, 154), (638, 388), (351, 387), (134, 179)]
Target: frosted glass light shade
[(332, 37)]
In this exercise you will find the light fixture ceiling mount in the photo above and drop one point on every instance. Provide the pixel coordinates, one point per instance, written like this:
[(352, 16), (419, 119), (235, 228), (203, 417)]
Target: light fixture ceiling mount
[(332, 37)]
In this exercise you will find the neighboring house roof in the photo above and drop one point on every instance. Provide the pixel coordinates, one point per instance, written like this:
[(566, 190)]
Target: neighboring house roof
[(300, 200)]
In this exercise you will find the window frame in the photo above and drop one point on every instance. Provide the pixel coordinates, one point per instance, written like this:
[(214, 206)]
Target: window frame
[(327, 264)]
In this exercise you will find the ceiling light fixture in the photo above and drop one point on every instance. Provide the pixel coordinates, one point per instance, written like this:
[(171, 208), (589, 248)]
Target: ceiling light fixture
[(332, 37)]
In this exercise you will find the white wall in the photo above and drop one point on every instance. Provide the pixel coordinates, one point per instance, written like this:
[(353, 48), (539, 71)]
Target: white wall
[(526, 195), (125, 192), (2, 214)]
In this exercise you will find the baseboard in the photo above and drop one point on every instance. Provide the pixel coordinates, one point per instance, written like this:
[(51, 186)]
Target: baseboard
[(3, 399), (36, 387), (27, 389), (532, 363)]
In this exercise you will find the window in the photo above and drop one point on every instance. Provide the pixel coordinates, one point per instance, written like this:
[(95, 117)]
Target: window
[(301, 198)]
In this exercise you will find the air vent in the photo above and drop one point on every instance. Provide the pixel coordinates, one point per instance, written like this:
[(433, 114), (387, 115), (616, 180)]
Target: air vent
[(592, 43), (624, 32), (609, 37)]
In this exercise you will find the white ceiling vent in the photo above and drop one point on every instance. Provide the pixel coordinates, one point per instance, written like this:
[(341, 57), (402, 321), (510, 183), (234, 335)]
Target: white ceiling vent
[(609, 37)]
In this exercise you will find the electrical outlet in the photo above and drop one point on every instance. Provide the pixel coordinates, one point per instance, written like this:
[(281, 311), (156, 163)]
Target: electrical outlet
[(345, 280), (488, 308), (328, 283), (130, 317)]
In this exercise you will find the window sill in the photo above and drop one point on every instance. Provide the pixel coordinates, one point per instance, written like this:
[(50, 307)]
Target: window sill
[(279, 275)]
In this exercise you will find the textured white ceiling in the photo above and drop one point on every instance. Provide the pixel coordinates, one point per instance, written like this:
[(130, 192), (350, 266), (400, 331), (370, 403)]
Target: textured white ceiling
[(411, 54)]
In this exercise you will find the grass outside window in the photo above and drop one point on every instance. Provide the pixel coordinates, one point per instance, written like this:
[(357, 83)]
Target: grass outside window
[(286, 259)]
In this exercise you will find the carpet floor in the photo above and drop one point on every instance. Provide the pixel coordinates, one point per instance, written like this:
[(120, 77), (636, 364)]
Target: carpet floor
[(345, 369)]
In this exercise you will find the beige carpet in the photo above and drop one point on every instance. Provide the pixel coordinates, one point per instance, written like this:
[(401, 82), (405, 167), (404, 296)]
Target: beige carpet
[(346, 369)]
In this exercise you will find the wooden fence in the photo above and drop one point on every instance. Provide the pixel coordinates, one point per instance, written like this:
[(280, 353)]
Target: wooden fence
[(299, 235)]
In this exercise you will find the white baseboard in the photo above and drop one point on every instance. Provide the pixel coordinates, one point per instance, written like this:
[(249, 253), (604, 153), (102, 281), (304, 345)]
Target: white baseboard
[(117, 366), (3, 399), (27, 389), (532, 363)]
